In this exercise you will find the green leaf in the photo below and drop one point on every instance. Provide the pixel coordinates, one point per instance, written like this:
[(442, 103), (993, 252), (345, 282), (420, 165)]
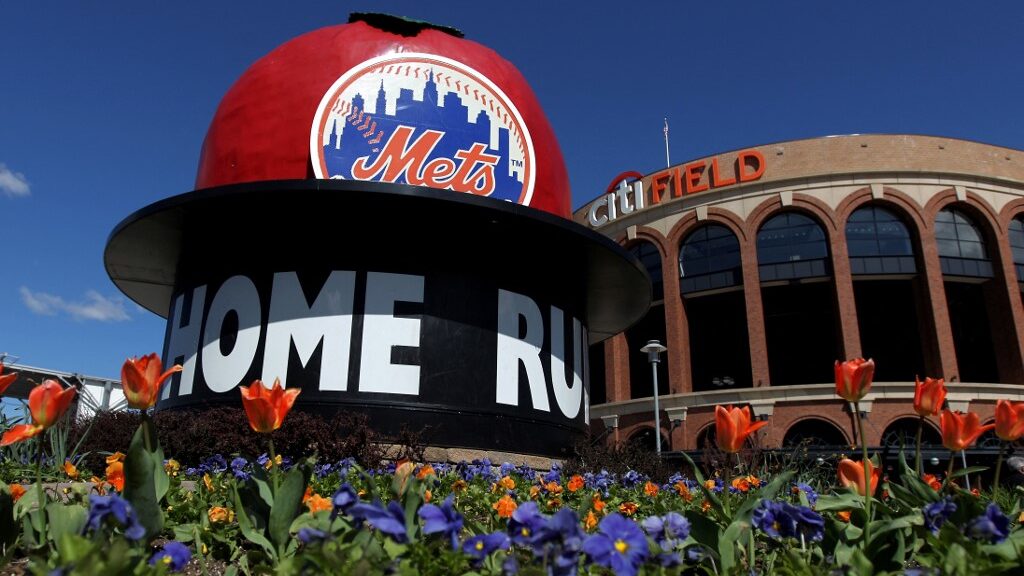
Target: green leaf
[(8, 523), (287, 504), (728, 541), (955, 562), (245, 526), (845, 500), (73, 548), (184, 532), (861, 564), (64, 519), (143, 465), (716, 503), (968, 470)]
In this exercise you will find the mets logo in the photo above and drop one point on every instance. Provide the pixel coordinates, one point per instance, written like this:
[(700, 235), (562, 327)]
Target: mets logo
[(424, 120)]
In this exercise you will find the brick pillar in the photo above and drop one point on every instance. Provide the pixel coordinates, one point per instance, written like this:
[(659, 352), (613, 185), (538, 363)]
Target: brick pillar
[(846, 307), (758, 343), (943, 361), (1006, 315), (616, 368), (676, 326)]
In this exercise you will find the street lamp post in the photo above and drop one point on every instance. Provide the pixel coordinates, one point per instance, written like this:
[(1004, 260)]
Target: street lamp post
[(654, 350)]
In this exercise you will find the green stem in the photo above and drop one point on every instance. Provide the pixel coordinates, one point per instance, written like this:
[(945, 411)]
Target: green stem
[(273, 466), (999, 467), (199, 551), (146, 440), (739, 464), (867, 474), (920, 429), (750, 550), (40, 492), (949, 471)]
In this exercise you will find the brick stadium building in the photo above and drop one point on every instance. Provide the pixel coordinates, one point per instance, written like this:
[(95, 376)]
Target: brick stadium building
[(771, 263)]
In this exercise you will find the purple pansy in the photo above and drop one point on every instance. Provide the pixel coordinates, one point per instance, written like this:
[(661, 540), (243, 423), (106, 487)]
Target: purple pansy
[(444, 520), (936, 514), (619, 545), (113, 506), (992, 526), (390, 520), (173, 554), (480, 546)]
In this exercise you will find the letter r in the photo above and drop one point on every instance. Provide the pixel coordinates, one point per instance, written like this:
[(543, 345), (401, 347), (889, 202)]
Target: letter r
[(512, 350)]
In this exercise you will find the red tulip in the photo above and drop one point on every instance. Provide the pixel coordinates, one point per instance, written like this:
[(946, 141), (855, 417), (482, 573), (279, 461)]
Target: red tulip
[(265, 408), (142, 378), (929, 396), (853, 378), (732, 427), (959, 431), (851, 475), (47, 403), (6, 379), (1009, 420)]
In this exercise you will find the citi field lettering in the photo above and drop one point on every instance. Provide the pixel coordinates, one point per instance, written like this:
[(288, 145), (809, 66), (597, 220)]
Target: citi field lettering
[(691, 178), (220, 341)]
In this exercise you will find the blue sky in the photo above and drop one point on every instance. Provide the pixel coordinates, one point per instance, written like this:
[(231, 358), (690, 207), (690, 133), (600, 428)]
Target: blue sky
[(104, 106)]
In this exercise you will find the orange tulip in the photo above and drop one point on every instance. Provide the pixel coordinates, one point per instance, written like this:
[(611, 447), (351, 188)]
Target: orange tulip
[(853, 378), (47, 403), (851, 475), (265, 408), (961, 430), (732, 427), (6, 379), (1009, 420), (929, 396), (142, 378)]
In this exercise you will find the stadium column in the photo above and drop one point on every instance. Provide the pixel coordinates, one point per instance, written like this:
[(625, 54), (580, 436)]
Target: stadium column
[(676, 326), (1008, 327), (758, 342), (849, 331), (616, 368), (942, 363)]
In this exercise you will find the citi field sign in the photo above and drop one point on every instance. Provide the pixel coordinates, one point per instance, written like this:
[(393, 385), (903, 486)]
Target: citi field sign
[(381, 219), (631, 195)]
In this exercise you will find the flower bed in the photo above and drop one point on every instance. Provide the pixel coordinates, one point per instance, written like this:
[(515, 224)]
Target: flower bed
[(273, 515)]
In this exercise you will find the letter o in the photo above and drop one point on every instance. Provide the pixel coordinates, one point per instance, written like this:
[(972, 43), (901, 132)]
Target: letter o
[(224, 372)]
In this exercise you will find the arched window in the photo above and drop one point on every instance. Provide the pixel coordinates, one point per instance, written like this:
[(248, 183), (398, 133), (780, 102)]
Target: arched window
[(961, 245), (709, 259), (814, 432), (878, 242), (645, 440), (648, 255), (1017, 245), (791, 245), (902, 433)]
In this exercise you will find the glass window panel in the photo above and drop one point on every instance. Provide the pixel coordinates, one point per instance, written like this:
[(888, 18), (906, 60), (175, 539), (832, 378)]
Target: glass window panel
[(707, 250), (858, 248), (972, 250), (969, 243), (949, 248), (1017, 240), (945, 229), (790, 237)]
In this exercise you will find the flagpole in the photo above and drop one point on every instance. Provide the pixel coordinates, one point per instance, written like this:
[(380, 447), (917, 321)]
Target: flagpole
[(668, 162)]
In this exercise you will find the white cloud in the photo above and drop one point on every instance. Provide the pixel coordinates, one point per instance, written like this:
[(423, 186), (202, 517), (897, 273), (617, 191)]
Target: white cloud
[(13, 183), (94, 306)]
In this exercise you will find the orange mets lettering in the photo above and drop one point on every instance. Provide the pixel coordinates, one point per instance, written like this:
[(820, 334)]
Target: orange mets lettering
[(473, 173)]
